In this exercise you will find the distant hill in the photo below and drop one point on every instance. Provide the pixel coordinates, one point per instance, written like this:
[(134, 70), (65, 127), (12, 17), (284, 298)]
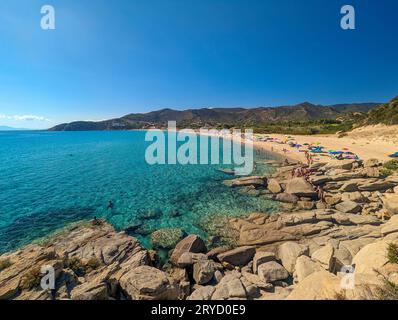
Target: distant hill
[(384, 114), (5, 128), (220, 117)]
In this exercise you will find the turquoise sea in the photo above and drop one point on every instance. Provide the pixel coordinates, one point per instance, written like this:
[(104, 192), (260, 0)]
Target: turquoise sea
[(50, 179)]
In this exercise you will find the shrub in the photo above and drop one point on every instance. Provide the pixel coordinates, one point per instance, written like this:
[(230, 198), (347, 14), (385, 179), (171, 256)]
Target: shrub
[(75, 265), (391, 165), (92, 264), (387, 291), (386, 172), (32, 279), (392, 253), (4, 264)]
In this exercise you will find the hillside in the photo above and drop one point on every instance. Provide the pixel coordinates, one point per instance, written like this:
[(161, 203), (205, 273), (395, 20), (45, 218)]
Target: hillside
[(384, 114), (221, 117)]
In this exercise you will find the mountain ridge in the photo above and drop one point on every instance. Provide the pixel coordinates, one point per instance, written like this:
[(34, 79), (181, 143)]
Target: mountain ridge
[(305, 111)]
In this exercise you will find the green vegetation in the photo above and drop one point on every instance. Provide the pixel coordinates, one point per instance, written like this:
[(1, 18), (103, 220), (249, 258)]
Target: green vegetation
[(388, 290), (385, 114), (4, 264), (392, 253), (391, 165), (32, 279), (80, 268), (75, 265), (389, 168)]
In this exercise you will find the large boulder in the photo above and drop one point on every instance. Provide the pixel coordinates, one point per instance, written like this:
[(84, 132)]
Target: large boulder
[(390, 201), (202, 293), (305, 267), (255, 181), (390, 227), (166, 238), (301, 188), (370, 163), (230, 288), (321, 285), (371, 258), (349, 207), (340, 164), (289, 252), (262, 257), (239, 256), (148, 283), (274, 186), (272, 271), (203, 271), (192, 243), (189, 258), (287, 198), (324, 256)]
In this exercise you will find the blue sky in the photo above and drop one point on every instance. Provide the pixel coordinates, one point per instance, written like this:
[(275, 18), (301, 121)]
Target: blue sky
[(110, 58)]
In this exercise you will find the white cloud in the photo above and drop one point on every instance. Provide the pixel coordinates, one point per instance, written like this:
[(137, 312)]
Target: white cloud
[(23, 117)]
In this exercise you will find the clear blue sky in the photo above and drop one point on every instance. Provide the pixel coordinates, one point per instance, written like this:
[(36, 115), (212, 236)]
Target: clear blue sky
[(110, 58)]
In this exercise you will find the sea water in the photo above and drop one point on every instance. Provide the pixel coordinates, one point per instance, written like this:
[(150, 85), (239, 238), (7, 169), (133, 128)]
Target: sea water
[(51, 179)]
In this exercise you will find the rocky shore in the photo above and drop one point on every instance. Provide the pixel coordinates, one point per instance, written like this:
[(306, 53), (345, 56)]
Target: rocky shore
[(349, 224)]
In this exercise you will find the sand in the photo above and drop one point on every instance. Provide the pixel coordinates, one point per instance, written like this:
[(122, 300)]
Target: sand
[(368, 142)]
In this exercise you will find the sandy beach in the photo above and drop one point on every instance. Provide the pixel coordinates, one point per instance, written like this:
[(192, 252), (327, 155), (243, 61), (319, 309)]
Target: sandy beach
[(368, 142)]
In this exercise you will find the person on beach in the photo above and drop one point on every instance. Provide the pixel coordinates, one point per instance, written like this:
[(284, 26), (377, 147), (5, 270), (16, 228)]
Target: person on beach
[(110, 205)]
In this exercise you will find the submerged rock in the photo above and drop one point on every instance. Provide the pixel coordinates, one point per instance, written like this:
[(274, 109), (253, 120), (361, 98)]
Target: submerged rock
[(167, 238)]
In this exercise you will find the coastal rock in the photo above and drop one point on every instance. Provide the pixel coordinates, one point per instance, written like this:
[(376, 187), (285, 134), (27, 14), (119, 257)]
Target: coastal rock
[(189, 258), (391, 202), (230, 288), (203, 271), (202, 293), (324, 256), (379, 185), (349, 207), (262, 257), (371, 258), (287, 198), (306, 205), (93, 290), (213, 253), (239, 256), (320, 180), (340, 164), (192, 243), (289, 252), (349, 186), (274, 186), (353, 196), (255, 279), (320, 285), (255, 181), (148, 283), (332, 199), (305, 267), (390, 227), (370, 163), (166, 238), (272, 271), (301, 188)]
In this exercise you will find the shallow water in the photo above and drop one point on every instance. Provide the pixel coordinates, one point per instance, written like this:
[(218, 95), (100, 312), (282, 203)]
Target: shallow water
[(50, 179)]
